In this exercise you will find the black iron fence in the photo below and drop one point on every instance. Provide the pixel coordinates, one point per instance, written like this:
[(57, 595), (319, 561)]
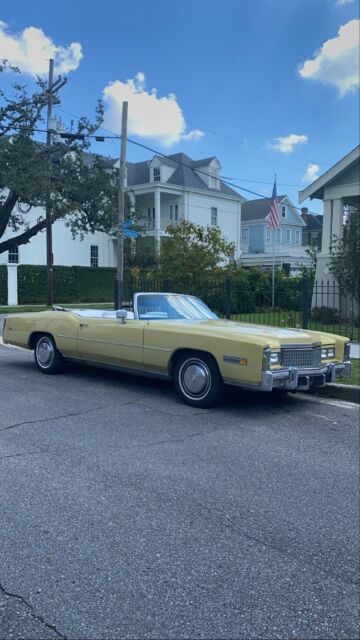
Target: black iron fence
[(299, 302)]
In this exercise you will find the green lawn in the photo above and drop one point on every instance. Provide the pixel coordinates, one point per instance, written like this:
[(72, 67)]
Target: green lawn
[(355, 378)]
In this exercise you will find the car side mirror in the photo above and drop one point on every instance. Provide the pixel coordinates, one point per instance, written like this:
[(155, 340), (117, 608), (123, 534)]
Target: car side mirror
[(121, 314)]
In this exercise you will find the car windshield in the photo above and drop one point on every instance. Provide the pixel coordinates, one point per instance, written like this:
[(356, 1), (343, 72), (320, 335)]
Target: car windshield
[(169, 306)]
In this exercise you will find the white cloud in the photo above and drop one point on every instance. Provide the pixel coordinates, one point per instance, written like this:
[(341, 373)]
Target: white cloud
[(31, 49), (286, 144), (337, 61), (149, 115), (312, 173), (196, 134)]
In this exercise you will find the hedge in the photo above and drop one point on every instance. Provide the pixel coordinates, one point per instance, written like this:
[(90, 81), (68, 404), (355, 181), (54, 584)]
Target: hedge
[(3, 284), (71, 284)]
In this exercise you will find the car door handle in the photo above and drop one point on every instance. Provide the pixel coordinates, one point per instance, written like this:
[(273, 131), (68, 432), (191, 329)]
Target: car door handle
[(83, 324)]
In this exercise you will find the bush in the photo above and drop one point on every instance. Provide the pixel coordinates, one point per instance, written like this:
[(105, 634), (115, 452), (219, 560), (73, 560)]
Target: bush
[(325, 315)]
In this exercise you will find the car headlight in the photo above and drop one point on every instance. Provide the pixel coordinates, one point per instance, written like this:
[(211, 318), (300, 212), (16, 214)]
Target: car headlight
[(327, 353), (274, 357), (347, 351)]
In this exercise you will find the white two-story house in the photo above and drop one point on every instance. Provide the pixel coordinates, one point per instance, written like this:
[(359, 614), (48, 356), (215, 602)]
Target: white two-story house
[(168, 189), (257, 246)]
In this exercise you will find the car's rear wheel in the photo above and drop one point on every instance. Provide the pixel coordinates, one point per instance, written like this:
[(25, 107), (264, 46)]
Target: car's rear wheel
[(197, 380), (47, 357)]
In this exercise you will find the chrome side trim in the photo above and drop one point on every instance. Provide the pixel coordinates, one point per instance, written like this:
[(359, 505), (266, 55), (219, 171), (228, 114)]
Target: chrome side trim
[(156, 348), (117, 344)]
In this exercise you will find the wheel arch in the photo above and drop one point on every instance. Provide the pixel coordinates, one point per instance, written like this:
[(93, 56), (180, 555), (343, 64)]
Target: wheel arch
[(190, 351), (38, 334)]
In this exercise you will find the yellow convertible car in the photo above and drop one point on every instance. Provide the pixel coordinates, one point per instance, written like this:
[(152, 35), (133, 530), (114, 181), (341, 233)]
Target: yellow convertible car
[(177, 337)]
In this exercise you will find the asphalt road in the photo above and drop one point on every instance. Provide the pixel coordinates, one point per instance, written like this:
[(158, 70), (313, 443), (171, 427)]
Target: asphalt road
[(125, 514)]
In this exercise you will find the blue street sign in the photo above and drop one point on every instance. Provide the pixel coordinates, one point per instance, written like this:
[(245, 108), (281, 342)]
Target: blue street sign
[(130, 233)]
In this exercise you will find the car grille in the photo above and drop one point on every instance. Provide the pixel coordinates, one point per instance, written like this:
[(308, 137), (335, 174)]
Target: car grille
[(307, 356)]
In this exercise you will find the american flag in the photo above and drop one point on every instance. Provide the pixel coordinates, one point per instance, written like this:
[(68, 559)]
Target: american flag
[(274, 213)]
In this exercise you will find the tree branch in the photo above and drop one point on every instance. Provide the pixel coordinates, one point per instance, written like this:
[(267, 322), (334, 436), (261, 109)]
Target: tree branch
[(23, 238), (6, 210)]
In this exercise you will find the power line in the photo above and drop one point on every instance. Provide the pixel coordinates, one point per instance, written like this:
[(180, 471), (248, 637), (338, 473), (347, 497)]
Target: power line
[(159, 153)]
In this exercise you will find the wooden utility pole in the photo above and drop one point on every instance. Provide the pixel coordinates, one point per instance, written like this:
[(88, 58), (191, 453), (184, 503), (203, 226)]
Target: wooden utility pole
[(51, 90), (119, 289), (49, 252)]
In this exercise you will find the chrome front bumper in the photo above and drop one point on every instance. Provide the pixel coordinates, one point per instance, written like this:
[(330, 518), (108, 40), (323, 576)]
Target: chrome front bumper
[(292, 378)]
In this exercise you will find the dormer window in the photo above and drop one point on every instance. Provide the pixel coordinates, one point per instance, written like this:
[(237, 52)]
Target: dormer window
[(156, 174), (214, 178), (283, 210)]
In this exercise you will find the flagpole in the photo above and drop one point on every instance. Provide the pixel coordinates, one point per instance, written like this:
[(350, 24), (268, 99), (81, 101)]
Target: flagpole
[(273, 269)]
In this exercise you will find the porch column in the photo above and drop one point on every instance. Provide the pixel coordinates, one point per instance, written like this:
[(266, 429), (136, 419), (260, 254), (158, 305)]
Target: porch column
[(327, 225), (338, 219), (12, 284), (157, 222), (332, 223)]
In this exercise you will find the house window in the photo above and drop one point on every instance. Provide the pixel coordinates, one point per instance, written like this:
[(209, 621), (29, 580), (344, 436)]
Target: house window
[(278, 237), (288, 236), (297, 236), (214, 219), (156, 174), (176, 207), (94, 255), (268, 235), (244, 237), (171, 212), (13, 257), (283, 210)]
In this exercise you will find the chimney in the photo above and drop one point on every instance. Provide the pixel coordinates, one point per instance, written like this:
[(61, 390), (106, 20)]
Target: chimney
[(304, 214)]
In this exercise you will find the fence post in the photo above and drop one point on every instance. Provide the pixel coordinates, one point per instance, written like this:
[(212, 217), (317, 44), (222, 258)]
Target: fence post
[(166, 285), (116, 294), (228, 298), (12, 284), (305, 315)]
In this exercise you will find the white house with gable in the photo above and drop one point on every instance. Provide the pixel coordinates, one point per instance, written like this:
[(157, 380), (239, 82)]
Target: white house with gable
[(168, 189)]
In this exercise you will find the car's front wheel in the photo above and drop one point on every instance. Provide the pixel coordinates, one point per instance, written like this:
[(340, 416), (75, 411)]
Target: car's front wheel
[(197, 380), (47, 357)]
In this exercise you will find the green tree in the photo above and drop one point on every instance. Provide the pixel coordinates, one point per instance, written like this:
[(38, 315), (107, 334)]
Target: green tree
[(83, 186), (345, 256), (191, 251)]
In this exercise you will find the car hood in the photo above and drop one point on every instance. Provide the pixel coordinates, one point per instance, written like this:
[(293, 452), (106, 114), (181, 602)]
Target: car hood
[(257, 334)]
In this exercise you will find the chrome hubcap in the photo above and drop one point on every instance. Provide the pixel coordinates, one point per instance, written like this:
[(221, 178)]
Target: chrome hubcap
[(45, 352), (194, 379)]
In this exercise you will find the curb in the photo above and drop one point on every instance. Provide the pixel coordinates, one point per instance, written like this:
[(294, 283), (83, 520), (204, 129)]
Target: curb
[(347, 392)]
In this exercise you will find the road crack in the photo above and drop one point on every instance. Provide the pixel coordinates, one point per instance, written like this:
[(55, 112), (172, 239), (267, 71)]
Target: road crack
[(35, 616), (67, 415), (24, 453)]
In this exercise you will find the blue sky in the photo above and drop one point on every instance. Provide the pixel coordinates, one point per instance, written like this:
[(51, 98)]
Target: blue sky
[(267, 86)]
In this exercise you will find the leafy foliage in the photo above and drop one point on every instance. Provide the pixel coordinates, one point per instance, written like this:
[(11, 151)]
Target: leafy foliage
[(193, 250), (83, 186), (345, 257)]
